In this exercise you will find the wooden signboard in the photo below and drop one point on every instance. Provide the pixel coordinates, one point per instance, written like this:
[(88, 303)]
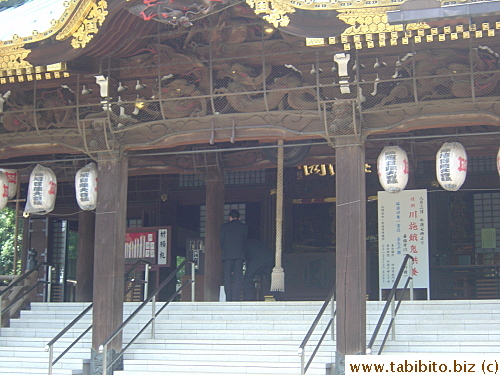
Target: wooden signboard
[(150, 243)]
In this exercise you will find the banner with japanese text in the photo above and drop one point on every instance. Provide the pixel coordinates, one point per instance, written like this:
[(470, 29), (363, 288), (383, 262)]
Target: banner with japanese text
[(403, 229)]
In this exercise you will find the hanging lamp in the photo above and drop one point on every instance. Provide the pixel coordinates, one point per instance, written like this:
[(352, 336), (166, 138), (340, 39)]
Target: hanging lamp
[(86, 187), (392, 169), (451, 166), (42, 190), (4, 190), (12, 181)]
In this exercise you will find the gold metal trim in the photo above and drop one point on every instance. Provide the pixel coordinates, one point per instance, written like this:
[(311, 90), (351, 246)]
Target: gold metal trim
[(12, 58), (76, 20), (341, 4), (32, 76), (90, 25), (416, 33), (276, 11), (367, 21)]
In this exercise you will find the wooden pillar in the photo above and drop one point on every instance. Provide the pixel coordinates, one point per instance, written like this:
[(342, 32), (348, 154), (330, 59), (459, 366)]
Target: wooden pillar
[(85, 261), (110, 226), (215, 218), (351, 248)]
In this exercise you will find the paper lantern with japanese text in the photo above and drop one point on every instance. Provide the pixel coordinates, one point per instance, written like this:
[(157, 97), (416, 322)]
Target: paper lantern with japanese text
[(42, 190), (392, 168), (498, 162), (451, 166), (86, 187), (12, 179), (4, 190)]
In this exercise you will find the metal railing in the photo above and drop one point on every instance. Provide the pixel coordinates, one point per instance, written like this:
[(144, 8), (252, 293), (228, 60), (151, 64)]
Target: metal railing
[(132, 268), (103, 348), (50, 345), (391, 303), (303, 365), (16, 282)]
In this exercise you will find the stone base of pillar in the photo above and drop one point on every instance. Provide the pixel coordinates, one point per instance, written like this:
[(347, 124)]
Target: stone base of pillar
[(339, 364), (96, 362)]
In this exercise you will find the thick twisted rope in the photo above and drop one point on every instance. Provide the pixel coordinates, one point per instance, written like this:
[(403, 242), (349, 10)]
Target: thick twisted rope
[(278, 275)]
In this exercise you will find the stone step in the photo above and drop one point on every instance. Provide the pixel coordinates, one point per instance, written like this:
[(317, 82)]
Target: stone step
[(253, 338), (139, 366)]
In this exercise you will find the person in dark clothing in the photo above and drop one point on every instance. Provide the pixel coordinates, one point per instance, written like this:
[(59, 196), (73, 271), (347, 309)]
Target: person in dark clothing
[(232, 242), (259, 261)]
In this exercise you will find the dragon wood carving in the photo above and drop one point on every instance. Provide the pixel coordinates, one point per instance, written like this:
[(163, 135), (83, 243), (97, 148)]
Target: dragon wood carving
[(178, 98), (446, 74), (244, 91), (52, 109)]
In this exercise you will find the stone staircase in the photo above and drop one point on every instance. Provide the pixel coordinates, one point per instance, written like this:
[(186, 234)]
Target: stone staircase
[(252, 338), (446, 327)]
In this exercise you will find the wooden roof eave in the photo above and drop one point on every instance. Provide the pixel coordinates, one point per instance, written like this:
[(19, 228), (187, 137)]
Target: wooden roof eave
[(112, 36)]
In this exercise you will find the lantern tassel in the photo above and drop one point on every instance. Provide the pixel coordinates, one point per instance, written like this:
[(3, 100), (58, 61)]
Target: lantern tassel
[(278, 280)]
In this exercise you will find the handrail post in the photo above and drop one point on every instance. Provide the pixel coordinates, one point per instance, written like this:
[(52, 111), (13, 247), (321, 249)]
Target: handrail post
[(146, 282), (153, 312), (393, 313), (104, 359), (411, 280), (51, 354), (193, 284), (332, 330), (302, 360), (49, 283)]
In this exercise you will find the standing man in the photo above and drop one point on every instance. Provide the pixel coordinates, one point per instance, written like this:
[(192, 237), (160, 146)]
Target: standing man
[(232, 242)]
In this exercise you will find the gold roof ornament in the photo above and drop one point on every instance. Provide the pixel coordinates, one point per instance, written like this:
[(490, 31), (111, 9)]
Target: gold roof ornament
[(340, 4), (77, 19), (90, 25), (404, 34), (276, 11)]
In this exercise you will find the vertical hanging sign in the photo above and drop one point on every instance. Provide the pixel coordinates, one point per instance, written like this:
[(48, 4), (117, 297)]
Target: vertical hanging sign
[(403, 229), (162, 246)]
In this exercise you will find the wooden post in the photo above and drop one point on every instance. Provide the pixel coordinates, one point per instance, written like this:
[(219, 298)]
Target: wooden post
[(215, 218), (351, 248), (85, 262), (109, 257)]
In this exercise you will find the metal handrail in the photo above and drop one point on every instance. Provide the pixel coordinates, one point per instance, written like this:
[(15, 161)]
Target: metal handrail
[(393, 319), (3, 311), (23, 294), (146, 275), (135, 265), (152, 298), (50, 345), (389, 302), (17, 281), (303, 366)]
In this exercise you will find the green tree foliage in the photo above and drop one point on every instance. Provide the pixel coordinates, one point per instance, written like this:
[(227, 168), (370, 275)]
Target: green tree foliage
[(7, 221)]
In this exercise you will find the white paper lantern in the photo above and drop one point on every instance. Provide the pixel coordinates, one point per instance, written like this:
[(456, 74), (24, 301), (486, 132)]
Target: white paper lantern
[(12, 178), (392, 168), (498, 162), (86, 187), (4, 190), (42, 191), (451, 166)]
